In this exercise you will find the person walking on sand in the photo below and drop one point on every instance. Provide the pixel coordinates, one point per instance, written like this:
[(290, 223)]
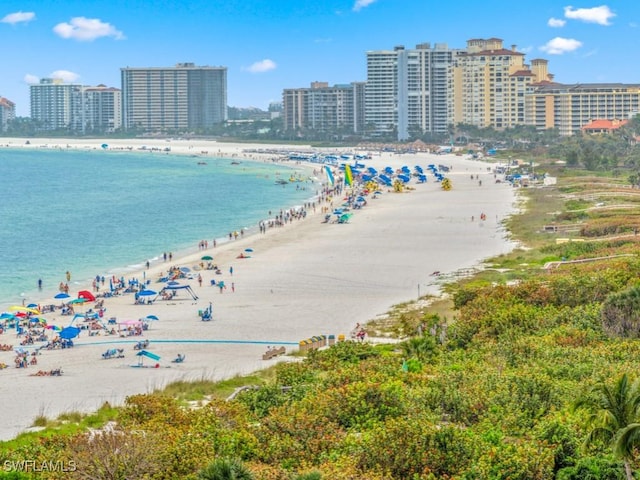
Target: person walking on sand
[(200, 279), (231, 271), (233, 287)]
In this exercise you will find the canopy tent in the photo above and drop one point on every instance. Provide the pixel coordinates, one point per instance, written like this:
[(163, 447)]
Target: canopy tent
[(176, 288), (144, 353)]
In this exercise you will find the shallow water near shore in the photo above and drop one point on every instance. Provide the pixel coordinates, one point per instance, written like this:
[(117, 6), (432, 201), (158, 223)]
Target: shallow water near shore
[(102, 212)]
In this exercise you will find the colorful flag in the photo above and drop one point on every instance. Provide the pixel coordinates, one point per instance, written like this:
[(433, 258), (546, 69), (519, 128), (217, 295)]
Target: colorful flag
[(329, 175), (348, 176)]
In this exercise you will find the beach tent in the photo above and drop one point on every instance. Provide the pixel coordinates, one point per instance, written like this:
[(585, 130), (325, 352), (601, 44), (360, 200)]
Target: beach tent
[(144, 353), (177, 288), (87, 295)]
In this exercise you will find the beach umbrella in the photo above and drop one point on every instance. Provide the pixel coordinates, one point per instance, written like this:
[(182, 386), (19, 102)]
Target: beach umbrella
[(249, 250), (20, 308), (207, 257), (87, 295), (62, 296), (105, 146), (32, 305), (69, 332), (7, 316), (77, 301), (173, 282), (152, 317), (185, 269), (147, 293), (55, 328)]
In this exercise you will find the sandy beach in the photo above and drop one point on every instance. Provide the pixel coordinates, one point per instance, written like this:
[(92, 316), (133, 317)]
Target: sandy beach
[(303, 279)]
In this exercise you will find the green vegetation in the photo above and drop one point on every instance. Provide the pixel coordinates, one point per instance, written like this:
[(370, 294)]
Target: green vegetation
[(519, 372)]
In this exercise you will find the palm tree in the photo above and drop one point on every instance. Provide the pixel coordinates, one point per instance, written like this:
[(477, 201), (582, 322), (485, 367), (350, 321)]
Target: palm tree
[(614, 417), (225, 469)]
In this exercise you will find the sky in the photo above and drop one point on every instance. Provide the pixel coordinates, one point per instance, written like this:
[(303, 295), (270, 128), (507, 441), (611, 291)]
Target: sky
[(270, 45)]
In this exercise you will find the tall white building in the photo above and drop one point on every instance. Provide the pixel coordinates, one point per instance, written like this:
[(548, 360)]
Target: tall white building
[(102, 109), (56, 105), (324, 108), (410, 90), (184, 97)]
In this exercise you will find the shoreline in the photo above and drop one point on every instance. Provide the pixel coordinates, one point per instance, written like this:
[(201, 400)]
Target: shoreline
[(82, 280), (303, 279)]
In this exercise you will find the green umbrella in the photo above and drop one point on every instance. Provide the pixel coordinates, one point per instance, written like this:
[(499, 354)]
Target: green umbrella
[(207, 257)]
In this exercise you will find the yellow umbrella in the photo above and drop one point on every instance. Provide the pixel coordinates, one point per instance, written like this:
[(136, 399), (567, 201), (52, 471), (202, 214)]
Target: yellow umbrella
[(19, 308)]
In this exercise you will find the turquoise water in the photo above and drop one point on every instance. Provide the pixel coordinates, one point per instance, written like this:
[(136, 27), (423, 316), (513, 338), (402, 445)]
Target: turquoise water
[(102, 212)]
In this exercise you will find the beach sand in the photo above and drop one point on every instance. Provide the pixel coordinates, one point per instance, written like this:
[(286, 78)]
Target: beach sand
[(304, 279)]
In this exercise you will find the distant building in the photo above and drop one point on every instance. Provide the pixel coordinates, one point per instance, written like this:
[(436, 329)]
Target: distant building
[(337, 109), (490, 84), (568, 108), (603, 126), (7, 113), (409, 90), (56, 105), (102, 109), (184, 97)]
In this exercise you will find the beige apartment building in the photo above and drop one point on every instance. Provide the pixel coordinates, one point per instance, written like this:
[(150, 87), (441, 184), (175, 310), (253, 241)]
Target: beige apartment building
[(324, 108), (490, 84), (568, 108)]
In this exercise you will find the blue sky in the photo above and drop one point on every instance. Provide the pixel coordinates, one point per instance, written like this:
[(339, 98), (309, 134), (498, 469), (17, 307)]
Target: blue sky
[(269, 45)]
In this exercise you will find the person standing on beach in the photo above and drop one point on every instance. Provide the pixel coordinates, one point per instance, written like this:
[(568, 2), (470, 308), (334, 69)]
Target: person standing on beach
[(39, 284), (68, 276), (231, 270)]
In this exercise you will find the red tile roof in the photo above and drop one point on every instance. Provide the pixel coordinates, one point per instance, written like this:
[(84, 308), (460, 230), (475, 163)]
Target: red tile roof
[(522, 73), (604, 125)]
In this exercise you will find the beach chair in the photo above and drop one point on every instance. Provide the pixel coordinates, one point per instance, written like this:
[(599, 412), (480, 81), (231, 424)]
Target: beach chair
[(179, 359)]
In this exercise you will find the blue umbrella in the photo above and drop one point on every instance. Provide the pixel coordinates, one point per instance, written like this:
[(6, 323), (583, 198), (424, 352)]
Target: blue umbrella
[(185, 269), (32, 305), (62, 295), (248, 249), (69, 332), (147, 293), (152, 317), (173, 282)]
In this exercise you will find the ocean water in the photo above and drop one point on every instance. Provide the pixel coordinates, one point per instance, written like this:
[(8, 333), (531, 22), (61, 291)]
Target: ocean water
[(99, 212)]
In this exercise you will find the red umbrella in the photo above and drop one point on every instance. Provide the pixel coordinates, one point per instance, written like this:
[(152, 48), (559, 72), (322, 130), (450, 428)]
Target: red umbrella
[(87, 295)]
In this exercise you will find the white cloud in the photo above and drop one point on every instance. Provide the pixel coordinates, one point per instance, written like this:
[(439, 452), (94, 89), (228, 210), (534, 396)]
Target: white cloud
[(360, 4), (600, 15), (262, 66), (30, 79), (559, 45), (87, 29), (18, 17), (65, 76), (556, 22)]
